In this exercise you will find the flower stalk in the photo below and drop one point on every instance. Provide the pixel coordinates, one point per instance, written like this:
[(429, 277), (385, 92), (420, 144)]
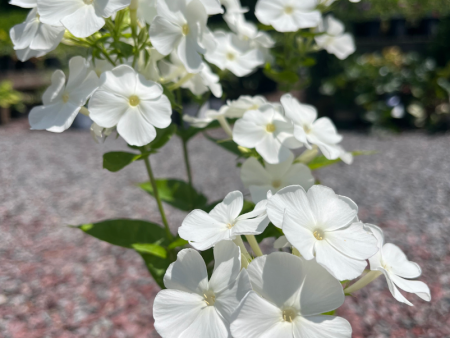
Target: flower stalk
[(246, 258), (254, 245), (364, 281)]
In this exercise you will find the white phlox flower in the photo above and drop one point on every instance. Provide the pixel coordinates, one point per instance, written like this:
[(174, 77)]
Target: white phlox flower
[(81, 17), (180, 26), (260, 179), (132, 103), (198, 83), (237, 108), (99, 134), (321, 225), (147, 11), (398, 270), (234, 54), (335, 40), (248, 31), (288, 15), (234, 6), (192, 306), (310, 130), (33, 38), (61, 101), (101, 66), (203, 230), (212, 6), (290, 294), (205, 116), (24, 3), (269, 132)]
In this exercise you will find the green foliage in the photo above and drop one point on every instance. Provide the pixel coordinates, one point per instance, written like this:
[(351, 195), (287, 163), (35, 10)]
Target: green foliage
[(179, 242), (9, 97), (322, 161), (147, 238), (117, 160), (177, 193)]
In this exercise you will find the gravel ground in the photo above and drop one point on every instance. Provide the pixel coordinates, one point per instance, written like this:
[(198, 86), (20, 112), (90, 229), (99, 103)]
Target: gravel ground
[(57, 282)]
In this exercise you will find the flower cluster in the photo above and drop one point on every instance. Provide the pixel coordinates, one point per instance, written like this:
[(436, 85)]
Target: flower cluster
[(142, 55)]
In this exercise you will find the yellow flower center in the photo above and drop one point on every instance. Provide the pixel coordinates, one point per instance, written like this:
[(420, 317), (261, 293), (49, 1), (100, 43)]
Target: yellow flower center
[(134, 100), (307, 129), (185, 29), (254, 107), (289, 315), (270, 128), (276, 184), (65, 97), (209, 298), (231, 56), (319, 235), (289, 10)]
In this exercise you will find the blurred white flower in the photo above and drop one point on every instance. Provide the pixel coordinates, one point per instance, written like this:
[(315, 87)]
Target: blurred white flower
[(288, 15), (24, 3), (393, 263), (204, 230), (259, 180), (81, 17), (62, 101), (133, 103), (321, 225), (237, 108), (269, 132), (33, 38), (101, 66), (290, 294), (147, 10), (310, 130), (212, 6), (234, 6), (192, 306), (180, 26), (99, 134), (234, 54), (335, 40), (205, 116)]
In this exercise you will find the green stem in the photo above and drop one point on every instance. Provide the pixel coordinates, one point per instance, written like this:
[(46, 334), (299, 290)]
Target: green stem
[(181, 82), (254, 245), (158, 199), (245, 256), (105, 54), (363, 281), (188, 170)]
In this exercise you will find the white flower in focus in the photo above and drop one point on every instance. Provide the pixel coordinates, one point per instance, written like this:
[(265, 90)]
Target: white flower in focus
[(147, 11), (62, 101), (321, 225), (24, 3), (204, 230), (335, 40), (81, 17), (133, 103), (269, 132), (288, 15), (234, 54), (290, 294), (180, 26), (243, 104), (192, 306), (33, 38), (205, 116), (310, 130), (395, 266), (274, 177)]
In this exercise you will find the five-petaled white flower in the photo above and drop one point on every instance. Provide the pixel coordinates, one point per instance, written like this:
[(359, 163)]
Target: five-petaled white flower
[(310, 130), (192, 306), (269, 132), (321, 225), (290, 294), (335, 40), (234, 54), (273, 177), (204, 230), (288, 15), (237, 108), (180, 25), (205, 116), (62, 101), (33, 38), (393, 263), (133, 103), (81, 17)]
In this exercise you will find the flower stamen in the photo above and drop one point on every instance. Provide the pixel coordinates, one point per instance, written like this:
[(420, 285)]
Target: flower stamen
[(270, 128), (210, 299), (231, 56), (65, 97), (319, 234), (185, 29), (289, 10), (134, 100), (289, 315)]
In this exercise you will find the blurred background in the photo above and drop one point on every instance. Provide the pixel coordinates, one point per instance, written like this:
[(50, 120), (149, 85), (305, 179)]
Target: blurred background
[(392, 96)]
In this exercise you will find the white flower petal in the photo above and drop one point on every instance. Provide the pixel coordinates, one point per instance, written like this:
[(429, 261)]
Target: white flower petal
[(399, 263), (302, 114), (135, 129), (24, 3), (227, 265), (253, 173), (174, 311), (419, 288), (106, 109), (207, 324), (146, 89), (299, 236), (52, 11), (56, 89), (164, 35), (187, 273), (300, 174), (189, 53), (158, 112), (228, 210), (47, 37), (90, 22), (393, 289), (121, 81), (56, 117), (85, 89), (322, 326), (247, 134), (23, 34), (271, 150), (259, 192)]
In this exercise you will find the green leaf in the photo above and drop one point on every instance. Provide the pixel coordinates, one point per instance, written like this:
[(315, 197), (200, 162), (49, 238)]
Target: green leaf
[(125, 232), (286, 76), (330, 313), (117, 160), (322, 161), (123, 48), (152, 249), (177, 193), (163, 136), (179, 242), (187, 134), (231, 146), (157, 267)]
